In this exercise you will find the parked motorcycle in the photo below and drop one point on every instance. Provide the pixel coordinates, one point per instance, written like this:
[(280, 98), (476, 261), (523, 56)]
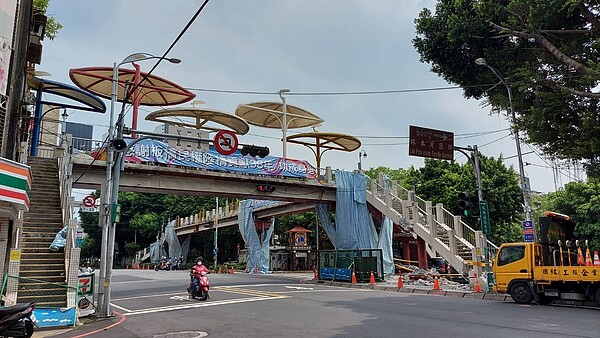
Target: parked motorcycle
[(199, 288), (178, 264), (164, 264), (17, 321)]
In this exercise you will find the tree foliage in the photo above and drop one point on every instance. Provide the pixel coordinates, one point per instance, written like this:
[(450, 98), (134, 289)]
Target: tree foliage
[(546, 50), (441, 181), (581, 201), (52, 26)]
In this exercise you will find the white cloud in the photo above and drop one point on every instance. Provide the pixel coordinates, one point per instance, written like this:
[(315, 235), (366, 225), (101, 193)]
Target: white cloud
[(307, 46)]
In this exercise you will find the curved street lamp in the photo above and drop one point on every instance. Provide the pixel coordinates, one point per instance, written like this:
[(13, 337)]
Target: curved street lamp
[(483, 62), (111, 193)]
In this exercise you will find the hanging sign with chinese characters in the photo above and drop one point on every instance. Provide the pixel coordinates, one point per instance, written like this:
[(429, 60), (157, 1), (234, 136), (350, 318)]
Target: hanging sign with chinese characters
[(431, 143)]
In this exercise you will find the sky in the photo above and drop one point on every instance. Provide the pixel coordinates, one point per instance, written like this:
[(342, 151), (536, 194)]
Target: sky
[(237, 48)]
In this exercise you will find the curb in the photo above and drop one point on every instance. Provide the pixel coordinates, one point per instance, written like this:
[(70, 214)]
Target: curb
[(449, 293)]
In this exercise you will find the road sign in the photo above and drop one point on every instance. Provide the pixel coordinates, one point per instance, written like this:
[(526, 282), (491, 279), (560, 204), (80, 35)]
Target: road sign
[(529, 238), (431, 143), (527, 224), (88, 209), (88, 201), (484, 214), (226, 142)]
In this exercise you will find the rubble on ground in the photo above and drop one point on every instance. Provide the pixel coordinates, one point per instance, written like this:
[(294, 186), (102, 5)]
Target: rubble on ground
[(423, 277)]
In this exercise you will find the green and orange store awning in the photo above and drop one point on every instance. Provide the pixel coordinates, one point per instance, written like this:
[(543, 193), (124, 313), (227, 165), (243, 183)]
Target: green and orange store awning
[(15, 183)]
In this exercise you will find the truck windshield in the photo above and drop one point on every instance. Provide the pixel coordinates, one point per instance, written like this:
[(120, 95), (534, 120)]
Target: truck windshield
[(510, 254)]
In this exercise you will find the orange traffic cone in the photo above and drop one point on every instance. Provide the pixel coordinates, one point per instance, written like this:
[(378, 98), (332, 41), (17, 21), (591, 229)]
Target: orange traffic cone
[(596, 258), (588, 258), (372, 279), (220, 270), (400, 282), (148, 267), (353, 281), (476, 287), (436, 284), (580, 259), (315, 274), (256, 269), (232, 270)]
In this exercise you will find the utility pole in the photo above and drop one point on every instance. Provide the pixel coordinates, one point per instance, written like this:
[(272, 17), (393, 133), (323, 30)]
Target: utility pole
[(483, 209), (216, 222)]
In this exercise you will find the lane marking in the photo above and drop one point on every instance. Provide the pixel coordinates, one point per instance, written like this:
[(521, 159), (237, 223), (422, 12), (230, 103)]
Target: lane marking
[(297, 287), (247, 291), (203, 304), (120, 307), (148, 296)]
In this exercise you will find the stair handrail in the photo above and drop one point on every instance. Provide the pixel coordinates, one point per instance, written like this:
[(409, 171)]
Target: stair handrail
[(467, 234), (72, 253)]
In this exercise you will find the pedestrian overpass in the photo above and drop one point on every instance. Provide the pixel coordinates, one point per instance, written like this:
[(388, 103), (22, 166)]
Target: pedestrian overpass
[(435, 230)]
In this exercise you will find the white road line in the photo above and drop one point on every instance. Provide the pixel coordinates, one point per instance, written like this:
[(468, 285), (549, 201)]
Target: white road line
[(205, 304), (120, 307), (148, 296)]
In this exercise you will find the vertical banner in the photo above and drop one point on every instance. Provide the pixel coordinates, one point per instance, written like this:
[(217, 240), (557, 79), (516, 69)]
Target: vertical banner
[(8, 10)]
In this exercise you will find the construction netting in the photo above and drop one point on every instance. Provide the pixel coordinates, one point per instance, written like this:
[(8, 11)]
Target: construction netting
[(354, 228), (257, 245)]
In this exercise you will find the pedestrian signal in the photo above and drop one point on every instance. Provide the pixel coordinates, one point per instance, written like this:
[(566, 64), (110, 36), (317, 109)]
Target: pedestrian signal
[(265, 188)]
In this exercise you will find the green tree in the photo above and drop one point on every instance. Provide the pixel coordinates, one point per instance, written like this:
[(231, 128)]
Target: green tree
[(548, 52), (52, 26), (441, 181), (581, 201)]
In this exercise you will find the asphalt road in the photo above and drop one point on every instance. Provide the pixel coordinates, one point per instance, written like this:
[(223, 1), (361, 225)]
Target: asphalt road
[(155, 304)]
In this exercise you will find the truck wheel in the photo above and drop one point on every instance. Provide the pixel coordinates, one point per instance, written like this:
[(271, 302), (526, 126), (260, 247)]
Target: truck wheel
[(521, 293)]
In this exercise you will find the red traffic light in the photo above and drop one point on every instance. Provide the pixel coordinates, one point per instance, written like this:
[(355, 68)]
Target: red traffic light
[(265, 188)]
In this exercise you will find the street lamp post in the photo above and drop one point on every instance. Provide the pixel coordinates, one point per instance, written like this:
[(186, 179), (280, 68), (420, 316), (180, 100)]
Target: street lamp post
[(361, 154), (284, 120), (111, 193), (482, 62)]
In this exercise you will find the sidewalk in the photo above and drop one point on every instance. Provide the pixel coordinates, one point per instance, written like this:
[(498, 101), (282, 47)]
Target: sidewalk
[(391, 284), (86, 325)]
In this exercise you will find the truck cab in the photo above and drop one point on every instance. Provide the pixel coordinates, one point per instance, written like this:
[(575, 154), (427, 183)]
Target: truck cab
[(522, 270)]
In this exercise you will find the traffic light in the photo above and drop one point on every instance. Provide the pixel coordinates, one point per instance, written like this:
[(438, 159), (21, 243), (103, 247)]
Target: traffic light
[(464, 203), (265, 188), (115, 214), (255, 151)]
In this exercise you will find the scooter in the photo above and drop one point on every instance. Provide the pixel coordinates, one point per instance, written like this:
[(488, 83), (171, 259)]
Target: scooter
[(200, 290), (17, 321)]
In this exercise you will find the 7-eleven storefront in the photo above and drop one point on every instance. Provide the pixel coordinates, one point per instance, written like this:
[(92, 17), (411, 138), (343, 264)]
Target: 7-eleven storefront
[(15, 187)]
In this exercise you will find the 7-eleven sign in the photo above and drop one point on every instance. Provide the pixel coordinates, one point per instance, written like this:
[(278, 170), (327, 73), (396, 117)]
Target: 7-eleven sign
[(86, 284)]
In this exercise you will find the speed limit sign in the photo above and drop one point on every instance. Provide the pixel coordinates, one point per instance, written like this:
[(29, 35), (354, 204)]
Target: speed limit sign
[(89, 201), (226, 142)]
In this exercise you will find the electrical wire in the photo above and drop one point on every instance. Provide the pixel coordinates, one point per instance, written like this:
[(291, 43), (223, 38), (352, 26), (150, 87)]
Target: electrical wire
[(145, 77)]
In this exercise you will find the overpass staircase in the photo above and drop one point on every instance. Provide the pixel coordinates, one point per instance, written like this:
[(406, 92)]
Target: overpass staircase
[(446, 235), (47, 278)]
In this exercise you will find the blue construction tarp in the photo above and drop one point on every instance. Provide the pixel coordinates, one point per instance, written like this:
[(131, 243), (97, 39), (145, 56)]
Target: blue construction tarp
[(258, 250), (354, 228)]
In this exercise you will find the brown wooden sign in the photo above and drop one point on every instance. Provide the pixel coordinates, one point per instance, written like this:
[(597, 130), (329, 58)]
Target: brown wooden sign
[(431, 143)]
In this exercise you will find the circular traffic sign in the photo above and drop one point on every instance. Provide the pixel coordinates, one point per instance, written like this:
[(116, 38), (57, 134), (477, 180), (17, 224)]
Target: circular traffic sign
[(89, 201), (226, 142)]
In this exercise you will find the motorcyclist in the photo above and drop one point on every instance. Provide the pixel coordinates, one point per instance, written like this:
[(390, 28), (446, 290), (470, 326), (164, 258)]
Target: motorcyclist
[(196, 272)]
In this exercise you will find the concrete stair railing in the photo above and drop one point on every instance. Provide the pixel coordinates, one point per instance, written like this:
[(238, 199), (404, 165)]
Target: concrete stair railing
[(445, 234)]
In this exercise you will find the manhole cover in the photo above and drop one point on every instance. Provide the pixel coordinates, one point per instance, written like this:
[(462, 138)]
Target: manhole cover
[(183, 334)]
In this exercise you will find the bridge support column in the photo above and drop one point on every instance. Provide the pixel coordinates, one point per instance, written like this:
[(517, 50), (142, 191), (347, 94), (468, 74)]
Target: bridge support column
[(406, 250), (422, 253)]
